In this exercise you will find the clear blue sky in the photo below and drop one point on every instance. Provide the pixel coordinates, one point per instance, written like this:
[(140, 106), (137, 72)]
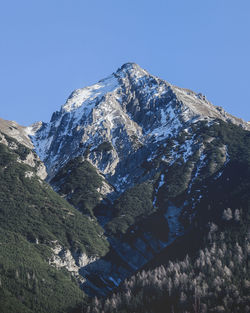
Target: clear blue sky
[(49, 48)]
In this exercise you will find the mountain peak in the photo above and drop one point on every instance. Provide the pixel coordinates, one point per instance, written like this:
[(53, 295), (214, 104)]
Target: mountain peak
[(129, 109), (83, 97), (130, 65), (133, 69)]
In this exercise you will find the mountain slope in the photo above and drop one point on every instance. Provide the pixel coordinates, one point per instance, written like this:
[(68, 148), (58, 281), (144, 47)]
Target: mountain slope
[(156, 148), (207, 270), (215, 279), (39, 232)]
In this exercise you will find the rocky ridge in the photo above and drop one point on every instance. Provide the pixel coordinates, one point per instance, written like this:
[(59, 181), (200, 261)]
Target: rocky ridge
[(13, 130), (115, 121)]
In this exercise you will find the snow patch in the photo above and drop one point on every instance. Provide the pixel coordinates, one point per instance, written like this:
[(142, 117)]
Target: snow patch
[(200, 164), (169, 124), (86, 95), (175, 228), (161, 183)]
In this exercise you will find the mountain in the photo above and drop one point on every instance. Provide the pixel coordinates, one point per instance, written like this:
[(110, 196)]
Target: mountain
[(140, 170)]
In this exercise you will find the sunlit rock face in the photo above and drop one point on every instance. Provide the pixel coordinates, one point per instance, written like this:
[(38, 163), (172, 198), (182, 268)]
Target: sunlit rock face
[(20, 134), (118, 122)]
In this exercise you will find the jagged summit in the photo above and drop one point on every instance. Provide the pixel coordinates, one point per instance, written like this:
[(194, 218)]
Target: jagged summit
[(143, 83), (129, 65), (129, 109), (87, 95), (132, 69)]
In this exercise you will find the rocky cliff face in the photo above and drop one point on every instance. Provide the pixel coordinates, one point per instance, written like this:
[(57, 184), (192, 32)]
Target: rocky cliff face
[(13, 130), (118, 123)]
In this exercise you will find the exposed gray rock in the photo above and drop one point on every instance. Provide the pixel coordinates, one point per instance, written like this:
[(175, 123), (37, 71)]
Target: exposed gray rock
[(14, 130), (132, 111), (29, 174), (62, 257), (19, 133)]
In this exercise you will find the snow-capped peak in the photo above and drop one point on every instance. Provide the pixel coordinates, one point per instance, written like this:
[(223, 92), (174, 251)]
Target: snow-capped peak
[(85, 96), (126, 111)]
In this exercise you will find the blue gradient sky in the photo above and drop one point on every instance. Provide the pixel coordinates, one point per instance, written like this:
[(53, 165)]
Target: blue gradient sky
[(49, 48)]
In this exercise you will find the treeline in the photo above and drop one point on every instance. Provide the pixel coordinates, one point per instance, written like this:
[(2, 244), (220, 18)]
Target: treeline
[(216, 280)]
